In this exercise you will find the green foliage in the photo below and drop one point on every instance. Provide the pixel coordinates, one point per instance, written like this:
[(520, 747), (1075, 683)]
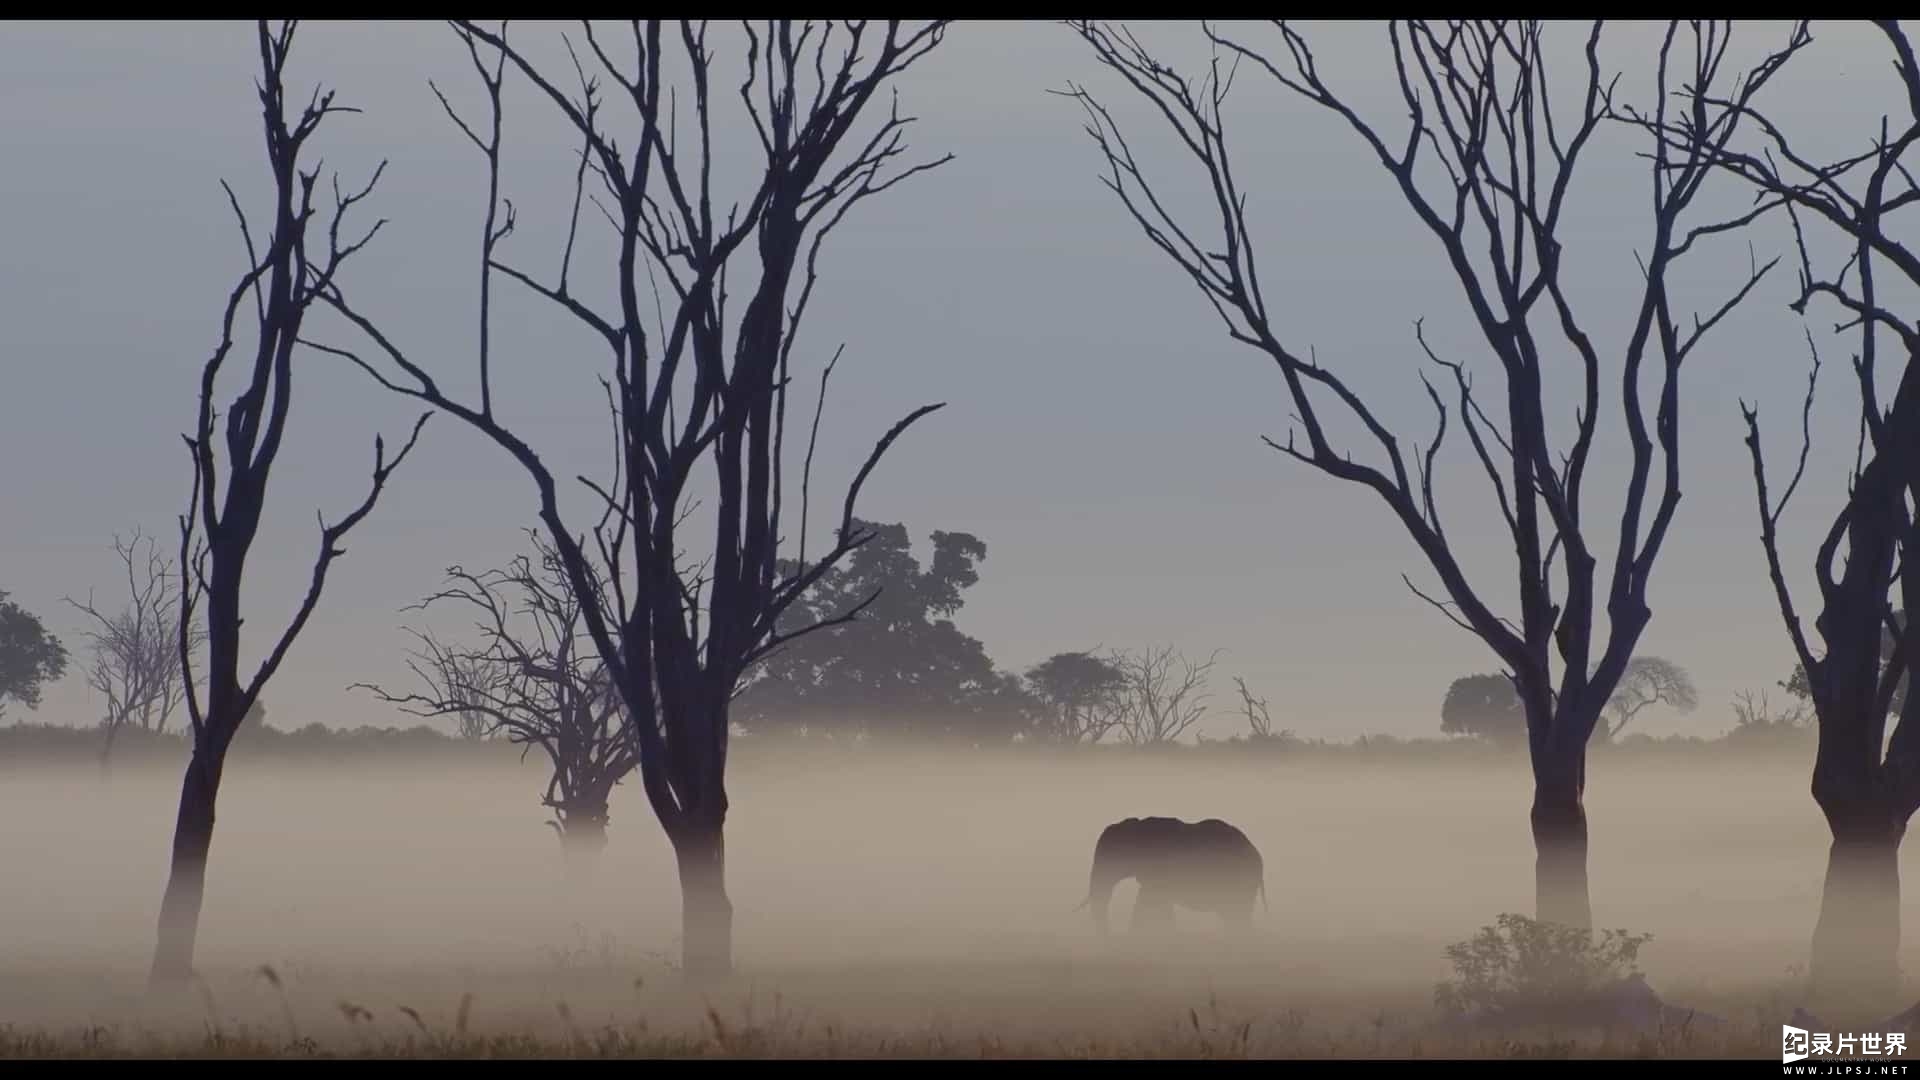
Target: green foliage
[(29, 655), (1524, 962), (1078, 692), (901, 667), (1486, 706)]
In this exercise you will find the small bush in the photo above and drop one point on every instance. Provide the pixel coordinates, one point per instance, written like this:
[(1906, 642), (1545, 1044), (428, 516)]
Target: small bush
[(1526, 963)]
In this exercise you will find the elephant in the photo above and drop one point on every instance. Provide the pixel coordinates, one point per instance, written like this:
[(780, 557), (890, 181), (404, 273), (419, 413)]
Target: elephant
[(1202, 866)]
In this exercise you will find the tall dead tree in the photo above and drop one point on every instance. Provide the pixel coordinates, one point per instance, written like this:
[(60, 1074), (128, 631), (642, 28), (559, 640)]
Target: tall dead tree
[(218, 530), (696, 381), (1867, 785), (535, 678), (135, 666), (1485, 164)]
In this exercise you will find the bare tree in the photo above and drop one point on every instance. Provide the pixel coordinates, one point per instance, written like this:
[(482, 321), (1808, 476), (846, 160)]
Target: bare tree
[(1648, 680), (218, 530), (1757, 715), (1254, 711), (695, 380), (535, 678), (1867, 785), (136, 651), (1485, 164), (1161, 694), (462, 680)]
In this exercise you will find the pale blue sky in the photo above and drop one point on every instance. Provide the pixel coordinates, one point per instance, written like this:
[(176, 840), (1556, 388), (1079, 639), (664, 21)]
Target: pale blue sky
[(1102, 433)]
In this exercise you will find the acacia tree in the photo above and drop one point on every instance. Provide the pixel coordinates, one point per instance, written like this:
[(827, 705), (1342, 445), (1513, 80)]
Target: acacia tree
[(136, 651), (1489, 706), (535, 678), (1485, 165), (704, 386), (218, 530), (1080, 692), (1866, 785), (1647, 681)]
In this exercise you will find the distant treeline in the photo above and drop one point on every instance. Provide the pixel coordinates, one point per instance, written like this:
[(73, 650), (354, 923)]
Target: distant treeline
[(29, 745)]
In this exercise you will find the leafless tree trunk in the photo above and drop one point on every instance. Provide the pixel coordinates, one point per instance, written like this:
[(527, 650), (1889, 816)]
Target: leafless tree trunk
[(694, 381), (1259, 718), (219, 528), (537, 679), (136, 654), (1866, 785), (1485, 165), (1072, 722), (1759, 715)]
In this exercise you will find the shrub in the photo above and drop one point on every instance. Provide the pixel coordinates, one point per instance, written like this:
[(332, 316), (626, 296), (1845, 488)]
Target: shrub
[(1524, 962)]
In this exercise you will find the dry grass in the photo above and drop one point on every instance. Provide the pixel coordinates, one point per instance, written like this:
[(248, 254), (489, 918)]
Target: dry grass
[(1114, 1008)]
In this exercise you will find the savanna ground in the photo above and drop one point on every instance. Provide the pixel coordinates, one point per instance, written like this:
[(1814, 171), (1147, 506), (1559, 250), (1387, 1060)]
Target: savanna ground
[(891, 904)]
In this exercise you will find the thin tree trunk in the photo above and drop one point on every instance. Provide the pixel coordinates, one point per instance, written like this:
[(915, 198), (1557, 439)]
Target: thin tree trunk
[(706, 915), (186, 880), (1560, 845), (582, 837), (106, 752)]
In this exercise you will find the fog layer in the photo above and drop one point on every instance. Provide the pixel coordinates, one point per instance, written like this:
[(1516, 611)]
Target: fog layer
[(898, 884)]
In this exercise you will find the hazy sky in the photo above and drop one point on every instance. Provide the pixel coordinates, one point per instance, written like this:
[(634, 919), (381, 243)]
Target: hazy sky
[(1102, 434)]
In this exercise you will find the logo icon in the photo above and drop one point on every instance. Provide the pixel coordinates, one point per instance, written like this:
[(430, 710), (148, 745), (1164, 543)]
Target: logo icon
[(1793, 1043)]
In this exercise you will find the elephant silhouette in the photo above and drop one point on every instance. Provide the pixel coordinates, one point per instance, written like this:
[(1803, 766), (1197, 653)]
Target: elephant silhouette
[(1207, 866)]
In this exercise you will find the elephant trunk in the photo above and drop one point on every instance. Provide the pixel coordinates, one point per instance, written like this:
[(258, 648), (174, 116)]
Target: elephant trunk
[(1100, 887)]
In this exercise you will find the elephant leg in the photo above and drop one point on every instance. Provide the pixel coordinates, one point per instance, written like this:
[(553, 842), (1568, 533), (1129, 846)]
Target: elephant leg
[(1152, 910), (1238, 917)]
